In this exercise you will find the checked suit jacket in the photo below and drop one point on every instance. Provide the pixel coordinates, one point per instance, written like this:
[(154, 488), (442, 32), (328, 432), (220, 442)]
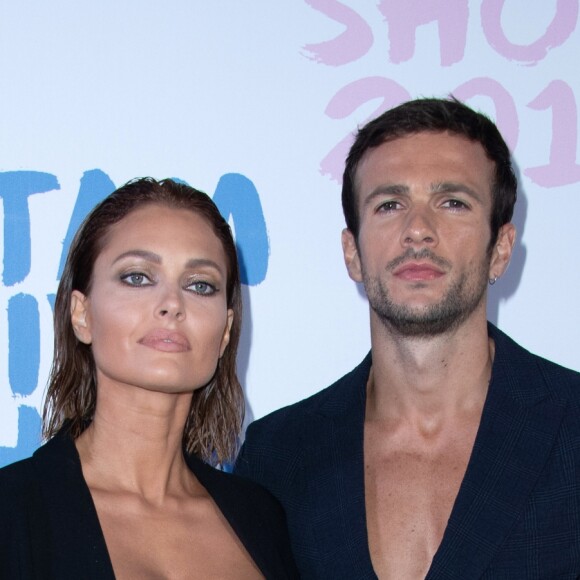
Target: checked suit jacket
[(517, 512)]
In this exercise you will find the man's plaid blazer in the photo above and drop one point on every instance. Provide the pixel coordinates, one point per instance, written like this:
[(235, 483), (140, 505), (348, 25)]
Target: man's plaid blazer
[(517, 513)]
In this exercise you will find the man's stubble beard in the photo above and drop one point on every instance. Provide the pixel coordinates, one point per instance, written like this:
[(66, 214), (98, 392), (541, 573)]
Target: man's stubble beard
[(459, 302)]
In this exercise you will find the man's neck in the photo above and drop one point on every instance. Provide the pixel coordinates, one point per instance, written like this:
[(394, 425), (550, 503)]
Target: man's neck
[(428, 377)]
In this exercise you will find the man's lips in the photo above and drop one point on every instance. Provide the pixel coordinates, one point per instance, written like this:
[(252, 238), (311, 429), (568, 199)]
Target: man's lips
[(415, 271), (165, 341)]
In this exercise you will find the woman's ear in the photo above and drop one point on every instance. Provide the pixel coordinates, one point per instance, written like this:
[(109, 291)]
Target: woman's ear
[(226, 334), (80, 317)]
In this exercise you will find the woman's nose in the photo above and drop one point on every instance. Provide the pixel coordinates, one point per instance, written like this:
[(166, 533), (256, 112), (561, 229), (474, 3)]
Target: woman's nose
[(171, 305)]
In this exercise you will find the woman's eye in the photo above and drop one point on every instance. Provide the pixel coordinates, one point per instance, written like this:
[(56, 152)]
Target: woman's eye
[(203, 288), (136, 279)]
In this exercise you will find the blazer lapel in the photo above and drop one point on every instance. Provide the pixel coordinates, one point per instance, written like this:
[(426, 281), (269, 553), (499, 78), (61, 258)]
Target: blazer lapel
[(77, 542), (340, 520), (518, 429)]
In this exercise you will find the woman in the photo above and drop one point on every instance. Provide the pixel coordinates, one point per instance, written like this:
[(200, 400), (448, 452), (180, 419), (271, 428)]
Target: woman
[(143, 394)]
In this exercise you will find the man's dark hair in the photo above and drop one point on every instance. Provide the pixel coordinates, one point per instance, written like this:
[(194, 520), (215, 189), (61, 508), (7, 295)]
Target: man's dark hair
[(434, 115)]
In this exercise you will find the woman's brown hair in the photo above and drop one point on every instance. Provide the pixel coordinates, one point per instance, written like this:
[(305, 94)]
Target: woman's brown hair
[(217, 410)]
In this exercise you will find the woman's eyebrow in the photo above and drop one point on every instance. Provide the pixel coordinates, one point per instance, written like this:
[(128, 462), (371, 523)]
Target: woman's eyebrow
[(149, 256), (195, 262), (156, 259)]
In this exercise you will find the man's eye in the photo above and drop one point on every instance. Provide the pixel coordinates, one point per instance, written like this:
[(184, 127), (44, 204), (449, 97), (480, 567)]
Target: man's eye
[(389, 206), (136, 279), (455, 204), (203, 288)]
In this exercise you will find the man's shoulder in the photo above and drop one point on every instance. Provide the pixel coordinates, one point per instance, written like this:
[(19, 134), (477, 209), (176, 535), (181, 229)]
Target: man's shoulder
[(518, 362), (333, 400), (273, 451), (562, 381)]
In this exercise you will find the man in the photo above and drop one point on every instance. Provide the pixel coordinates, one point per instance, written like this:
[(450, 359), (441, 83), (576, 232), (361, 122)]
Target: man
[(450, 451)]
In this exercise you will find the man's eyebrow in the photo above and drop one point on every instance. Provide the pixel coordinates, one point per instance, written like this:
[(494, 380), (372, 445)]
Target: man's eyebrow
[(455, 187), (382, 190)]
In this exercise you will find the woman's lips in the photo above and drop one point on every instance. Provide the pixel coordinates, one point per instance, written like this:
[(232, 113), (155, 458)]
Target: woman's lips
[(166, 341), (418, 272)]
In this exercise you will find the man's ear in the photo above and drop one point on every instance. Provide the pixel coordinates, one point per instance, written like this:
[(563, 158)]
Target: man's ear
[(226, 334), (351, 255), (502, 251), (80, 317)]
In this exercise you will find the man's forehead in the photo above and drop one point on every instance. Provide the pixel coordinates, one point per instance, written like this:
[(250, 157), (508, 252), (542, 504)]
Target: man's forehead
[(401, 162), (443, 149)]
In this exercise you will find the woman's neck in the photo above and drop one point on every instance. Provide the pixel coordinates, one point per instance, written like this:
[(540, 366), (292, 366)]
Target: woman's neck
[(134, 442)]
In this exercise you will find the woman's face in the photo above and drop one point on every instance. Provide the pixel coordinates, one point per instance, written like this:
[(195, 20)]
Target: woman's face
[(156, 316)]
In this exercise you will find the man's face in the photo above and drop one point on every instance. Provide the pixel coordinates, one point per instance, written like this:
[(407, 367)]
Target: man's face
[(425, 203)]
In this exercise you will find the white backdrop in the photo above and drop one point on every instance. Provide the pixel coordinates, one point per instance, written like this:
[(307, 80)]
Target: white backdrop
[(254, 102)]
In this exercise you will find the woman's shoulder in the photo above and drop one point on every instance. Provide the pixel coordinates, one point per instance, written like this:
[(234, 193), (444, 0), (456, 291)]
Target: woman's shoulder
[(224, 485), (254, 514), (18, 493), (21, 481), (15, 479)]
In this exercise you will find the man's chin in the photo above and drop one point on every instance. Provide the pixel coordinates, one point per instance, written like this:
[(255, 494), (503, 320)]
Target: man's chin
[(422, 329), (420, 322)]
